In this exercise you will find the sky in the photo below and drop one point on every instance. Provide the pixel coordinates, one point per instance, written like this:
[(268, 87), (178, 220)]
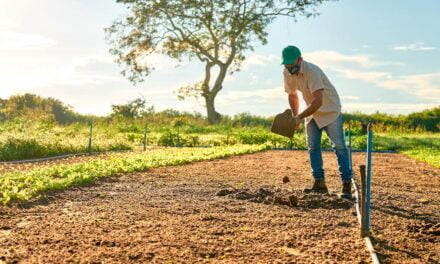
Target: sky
[(381, 55)]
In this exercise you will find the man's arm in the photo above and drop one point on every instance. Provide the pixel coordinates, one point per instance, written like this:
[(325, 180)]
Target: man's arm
[(292, 93), (313, 107), (294, 103)]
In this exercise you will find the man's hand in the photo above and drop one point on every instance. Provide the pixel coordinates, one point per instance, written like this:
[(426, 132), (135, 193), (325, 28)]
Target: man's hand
[(311, 109), (298, 121)]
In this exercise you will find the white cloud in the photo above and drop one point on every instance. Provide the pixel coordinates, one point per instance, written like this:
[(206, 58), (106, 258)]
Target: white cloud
[(360, 67), (161, 62), (366, 76), (6, 17), (99, 67), (6, 21), (265, 94), (331, 59), (259, 60), (350, 97), (12, 40), (354, 67), (230, 78), (272, 96), (416, 46), (425, 86)]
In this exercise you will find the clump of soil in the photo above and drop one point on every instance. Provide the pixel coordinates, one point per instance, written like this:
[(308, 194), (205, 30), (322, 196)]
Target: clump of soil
[(261, 195), (328, 201), (288, 198)]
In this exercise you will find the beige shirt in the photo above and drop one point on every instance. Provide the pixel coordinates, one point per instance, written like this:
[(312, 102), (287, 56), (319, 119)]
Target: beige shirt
[(310, 79)]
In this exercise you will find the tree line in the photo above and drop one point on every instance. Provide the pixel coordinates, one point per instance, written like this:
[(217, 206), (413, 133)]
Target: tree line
[(34, 107)]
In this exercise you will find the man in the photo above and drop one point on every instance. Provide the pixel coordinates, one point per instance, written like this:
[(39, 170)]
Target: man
[(323, 112)]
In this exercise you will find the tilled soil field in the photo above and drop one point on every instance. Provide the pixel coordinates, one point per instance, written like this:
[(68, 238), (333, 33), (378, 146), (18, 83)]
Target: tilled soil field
[(234, 210)]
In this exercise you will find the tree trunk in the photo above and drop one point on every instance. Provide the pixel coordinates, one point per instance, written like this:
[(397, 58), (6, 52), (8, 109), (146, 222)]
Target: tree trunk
[(209, 95), (213, 116)]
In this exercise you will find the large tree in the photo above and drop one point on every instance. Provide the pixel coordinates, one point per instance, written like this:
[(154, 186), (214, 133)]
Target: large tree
[(216, 32)]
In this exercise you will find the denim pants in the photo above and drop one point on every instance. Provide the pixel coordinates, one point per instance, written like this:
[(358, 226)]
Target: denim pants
[(335, 133)]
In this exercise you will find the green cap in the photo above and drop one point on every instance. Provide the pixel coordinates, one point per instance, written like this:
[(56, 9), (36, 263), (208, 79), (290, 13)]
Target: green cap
[(290, 54)]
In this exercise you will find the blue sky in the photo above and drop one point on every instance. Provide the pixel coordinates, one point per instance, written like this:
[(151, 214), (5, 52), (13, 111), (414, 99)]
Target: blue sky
[(380, 55)]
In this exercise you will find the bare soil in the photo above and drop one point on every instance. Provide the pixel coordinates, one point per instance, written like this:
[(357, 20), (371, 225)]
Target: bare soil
[(234, 210)]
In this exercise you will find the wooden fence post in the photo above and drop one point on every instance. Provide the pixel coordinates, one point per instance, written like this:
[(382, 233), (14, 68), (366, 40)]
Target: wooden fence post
[(363, 191), (145, 138), (368, 179)]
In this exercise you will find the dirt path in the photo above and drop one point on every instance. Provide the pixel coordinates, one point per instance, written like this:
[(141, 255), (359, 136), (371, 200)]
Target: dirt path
[(182, 215)]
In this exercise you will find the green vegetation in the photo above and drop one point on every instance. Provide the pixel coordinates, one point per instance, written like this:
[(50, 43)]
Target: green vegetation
[(27, 184), (424, 147), (424, 121), (24, 139), (35, 127), (430, 156)]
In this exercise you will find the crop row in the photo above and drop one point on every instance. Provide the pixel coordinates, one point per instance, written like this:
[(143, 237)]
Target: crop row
[(28, 184)]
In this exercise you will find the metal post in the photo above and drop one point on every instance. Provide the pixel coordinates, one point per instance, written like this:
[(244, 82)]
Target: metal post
[(349, 148), (363, 191), (368, 178), (145, 138), (90, 138), (346, 137)]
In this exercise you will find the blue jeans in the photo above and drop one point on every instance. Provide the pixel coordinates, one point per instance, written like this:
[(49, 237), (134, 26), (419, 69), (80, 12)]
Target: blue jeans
[(335, 133)]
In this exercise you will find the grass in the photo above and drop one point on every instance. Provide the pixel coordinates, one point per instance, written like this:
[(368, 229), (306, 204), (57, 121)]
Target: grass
[(25, 140), (429, 156), (24, 185), (424, 147)]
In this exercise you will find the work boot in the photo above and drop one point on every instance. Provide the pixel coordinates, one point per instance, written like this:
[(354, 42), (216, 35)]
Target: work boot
[(318, 186), (346, 190)]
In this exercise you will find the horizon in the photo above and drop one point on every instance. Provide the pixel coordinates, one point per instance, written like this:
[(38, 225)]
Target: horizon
[(390, 69)]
